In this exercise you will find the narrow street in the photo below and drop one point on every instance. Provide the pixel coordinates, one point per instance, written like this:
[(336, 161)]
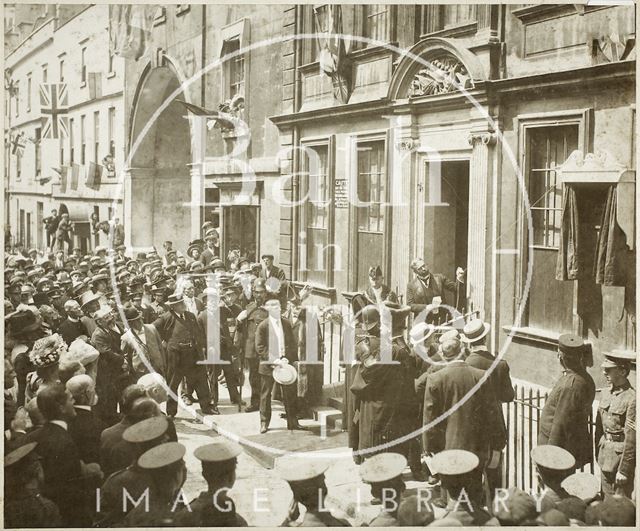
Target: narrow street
[(261, 496)]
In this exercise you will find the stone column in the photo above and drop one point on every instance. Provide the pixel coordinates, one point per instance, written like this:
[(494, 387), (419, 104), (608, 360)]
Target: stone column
[(404, 144), (138, 218), (480, 172)]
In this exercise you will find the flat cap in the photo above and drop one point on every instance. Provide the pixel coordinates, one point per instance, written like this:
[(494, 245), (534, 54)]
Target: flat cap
[(218, 451), (19, 454), (382, 467), (295, 470), (517, 508), (146, 430), (162, 455), (454, 462), (552, 457), (582, 485), (267, 255)]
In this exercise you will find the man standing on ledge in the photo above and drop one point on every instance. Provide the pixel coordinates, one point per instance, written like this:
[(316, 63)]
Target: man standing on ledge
[(429, 288), (564, 421)]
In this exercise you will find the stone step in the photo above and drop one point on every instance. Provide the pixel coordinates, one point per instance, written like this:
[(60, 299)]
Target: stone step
[(327, 413)]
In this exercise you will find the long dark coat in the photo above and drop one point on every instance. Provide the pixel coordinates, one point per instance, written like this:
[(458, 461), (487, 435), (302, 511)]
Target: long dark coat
[(564, 420)]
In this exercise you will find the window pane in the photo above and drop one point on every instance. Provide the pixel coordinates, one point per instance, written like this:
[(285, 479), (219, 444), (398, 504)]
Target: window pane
[(371, 186), (377, 22)]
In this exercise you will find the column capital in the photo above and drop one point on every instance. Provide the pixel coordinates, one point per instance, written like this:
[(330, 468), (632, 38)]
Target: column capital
[(486, 138), (407, 144)]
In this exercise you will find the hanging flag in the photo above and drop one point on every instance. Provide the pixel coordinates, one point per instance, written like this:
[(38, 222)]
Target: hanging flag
[(94, 80), (94, 176), (9, 84), (333, 55), (54, 105), (44, 180), (224, 120), (64, 170), (18, 144), (75, 175), (130, 29)]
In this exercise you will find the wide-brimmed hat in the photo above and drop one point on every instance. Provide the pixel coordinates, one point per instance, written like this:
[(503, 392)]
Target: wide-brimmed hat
[(47, 351), (618, 358), (174, 298), (22, 321), (474, 331), (87, 298), (285, 373), (421, 332)]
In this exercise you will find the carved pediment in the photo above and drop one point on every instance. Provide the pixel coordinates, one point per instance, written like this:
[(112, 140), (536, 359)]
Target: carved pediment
[(443, 75)]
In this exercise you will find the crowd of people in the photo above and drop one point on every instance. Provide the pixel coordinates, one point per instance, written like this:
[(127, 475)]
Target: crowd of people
[(100, 348)]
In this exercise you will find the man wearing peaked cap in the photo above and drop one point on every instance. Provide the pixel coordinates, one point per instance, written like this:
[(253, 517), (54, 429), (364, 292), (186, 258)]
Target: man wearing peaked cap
[(564, 420), (383, 472), (136, 440), (553, 466), (307, 482), (213, 507), (458, 470), (582, 485), (616, 425), (166, 468), (378, 292), (24, 506)]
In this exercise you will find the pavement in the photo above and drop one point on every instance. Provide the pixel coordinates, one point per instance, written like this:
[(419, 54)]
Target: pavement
[(260, 495)]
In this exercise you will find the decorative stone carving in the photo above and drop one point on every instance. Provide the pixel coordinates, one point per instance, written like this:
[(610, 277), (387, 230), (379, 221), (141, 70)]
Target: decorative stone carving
[(231, 122), (443, 75), (487, 138), (407, 144)]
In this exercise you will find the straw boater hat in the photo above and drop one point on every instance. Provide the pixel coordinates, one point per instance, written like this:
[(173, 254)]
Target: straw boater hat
[(421, 332), (474, 331), (284, 373)]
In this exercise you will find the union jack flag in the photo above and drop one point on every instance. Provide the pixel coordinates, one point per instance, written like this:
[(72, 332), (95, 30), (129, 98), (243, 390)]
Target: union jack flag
[(18, 144), (54, 105)]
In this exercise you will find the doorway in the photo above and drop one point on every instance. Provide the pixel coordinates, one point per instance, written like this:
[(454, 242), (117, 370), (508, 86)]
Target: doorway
[(240, 231), (446, 225)]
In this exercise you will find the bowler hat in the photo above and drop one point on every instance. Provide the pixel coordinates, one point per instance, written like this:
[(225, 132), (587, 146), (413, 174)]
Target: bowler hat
[(131, 313)]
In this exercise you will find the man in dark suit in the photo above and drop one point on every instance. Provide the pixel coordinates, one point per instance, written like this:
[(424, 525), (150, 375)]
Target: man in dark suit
[(564, 420), (72, 327), (471, 426), (269, 270), (474, 335), (248, 321), (275, 340), (426, 286), (185, 347), (215, 316), (111, 375), (85, 428), (66, 477)]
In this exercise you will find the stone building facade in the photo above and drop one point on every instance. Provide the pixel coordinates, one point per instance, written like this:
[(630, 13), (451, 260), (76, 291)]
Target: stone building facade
[(62, 44), (441, 134)]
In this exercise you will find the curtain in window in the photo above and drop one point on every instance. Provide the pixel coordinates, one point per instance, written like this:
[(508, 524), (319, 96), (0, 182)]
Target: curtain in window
[(567, 266), (611, 250)]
